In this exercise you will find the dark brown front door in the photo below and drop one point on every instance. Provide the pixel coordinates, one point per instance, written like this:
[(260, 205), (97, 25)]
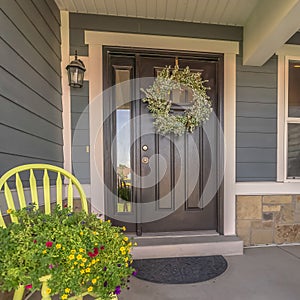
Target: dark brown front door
[(154, 182)]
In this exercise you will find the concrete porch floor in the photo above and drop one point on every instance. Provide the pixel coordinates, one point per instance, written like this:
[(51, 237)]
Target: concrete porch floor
[(269, 273)]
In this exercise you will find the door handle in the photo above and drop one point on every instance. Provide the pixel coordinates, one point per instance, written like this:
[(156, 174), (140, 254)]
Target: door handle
[(145, 147)]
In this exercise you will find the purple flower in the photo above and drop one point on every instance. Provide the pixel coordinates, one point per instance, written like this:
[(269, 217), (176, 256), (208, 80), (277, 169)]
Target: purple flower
[(51, 266), (117, 290), (134, 273), (105, 284), (119, 265), (104, 269)]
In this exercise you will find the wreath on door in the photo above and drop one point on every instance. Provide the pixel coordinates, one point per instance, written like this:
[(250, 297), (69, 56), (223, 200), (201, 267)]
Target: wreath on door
[(159, 103)]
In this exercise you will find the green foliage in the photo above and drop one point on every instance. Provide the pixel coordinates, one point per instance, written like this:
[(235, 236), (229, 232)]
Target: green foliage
[(79, 251), (158, 94)]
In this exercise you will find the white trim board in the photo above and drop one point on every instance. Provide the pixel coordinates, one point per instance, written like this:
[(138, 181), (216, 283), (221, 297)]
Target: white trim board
[(96, 40), (267, 188)]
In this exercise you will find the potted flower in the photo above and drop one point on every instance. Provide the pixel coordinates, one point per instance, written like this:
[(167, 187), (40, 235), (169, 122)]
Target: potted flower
[(74, 251)]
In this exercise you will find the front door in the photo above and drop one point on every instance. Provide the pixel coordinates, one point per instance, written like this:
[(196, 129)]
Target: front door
[(155, 183)]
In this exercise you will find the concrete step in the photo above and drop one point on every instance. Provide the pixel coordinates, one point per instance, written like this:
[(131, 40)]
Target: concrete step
[(188, 244)]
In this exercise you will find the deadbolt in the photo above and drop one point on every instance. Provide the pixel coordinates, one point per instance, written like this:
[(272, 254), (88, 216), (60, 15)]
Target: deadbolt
[(145, 159), (145, 147)]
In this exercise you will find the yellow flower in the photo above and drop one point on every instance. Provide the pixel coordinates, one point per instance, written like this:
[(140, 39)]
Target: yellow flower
[(122, 249), (82, 265), (97, 259), (58, 246), (126, 265), (72, 268), (126, 259), (82, 272), (48, 291), (75, 263), (44, 251), (125, 239), (93, 261), (131, 261), (87, 270), (81, 250), (135, 244), (84, 259), (90, 289), (108, 221), (94, 281), (67, 290), (79, 256), (95, 232), (96, 244), (123, 252), (130, 244), (9, 211), (124, 228), (73, 251), (64, 296), (81, 233), (71, 257)]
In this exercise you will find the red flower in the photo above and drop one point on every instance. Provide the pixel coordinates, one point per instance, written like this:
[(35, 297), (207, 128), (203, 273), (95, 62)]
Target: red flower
[(95, 253), (102, 248), (34, 241), (28, 286), (49, 244), (90, 254)]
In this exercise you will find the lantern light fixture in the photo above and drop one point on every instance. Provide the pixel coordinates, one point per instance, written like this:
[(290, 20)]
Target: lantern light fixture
[(76, 71)]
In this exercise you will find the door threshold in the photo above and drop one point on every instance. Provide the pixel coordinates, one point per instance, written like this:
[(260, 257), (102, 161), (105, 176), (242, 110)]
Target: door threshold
[(175, 234)]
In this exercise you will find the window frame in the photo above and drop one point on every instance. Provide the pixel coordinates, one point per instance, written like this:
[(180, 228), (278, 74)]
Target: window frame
[(286, 54)]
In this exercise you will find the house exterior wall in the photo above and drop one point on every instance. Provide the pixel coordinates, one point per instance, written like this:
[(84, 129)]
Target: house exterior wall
[(256, 112), (30, 89), (81, 140)]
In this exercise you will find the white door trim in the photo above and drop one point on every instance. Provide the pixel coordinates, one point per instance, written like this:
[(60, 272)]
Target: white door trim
[(96, 40)]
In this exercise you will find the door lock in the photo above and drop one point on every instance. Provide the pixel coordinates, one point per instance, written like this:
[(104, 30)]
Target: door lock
[(145, 159)]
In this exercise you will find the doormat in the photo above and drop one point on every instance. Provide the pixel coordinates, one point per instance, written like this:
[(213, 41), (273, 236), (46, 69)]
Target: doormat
[(180, 270)]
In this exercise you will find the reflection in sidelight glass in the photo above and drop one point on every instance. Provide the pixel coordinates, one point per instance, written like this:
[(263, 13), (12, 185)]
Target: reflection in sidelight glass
[(123, 129), (294, 89), (293, 151)]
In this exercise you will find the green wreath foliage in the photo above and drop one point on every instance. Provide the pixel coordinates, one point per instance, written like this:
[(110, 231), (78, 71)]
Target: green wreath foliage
[(157, 96)]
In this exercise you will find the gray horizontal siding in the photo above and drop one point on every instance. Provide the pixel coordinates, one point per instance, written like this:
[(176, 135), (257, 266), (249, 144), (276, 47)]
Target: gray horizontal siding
[(81, 22), (30, 90), (80, 133), (256, 122)]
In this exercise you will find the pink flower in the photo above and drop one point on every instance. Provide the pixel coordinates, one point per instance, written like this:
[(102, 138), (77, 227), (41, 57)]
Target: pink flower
[(51, 266), (49, 244), (28, 286)]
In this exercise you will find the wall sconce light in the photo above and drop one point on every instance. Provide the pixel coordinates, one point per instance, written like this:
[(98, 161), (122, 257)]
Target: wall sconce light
[(76, 71)]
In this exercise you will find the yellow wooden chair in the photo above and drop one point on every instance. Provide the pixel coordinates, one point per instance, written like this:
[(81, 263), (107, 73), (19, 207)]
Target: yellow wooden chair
[(14, 174)]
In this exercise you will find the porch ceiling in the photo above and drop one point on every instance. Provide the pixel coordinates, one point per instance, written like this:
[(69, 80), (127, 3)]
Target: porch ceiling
[(225, 12), (268, 24)]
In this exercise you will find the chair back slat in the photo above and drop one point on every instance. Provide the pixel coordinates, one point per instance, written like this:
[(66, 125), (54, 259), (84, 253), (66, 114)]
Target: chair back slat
[(20, 191), (46, 183), (33, 189), (2, 223), (10, 201), (70, 194), (59, 189)]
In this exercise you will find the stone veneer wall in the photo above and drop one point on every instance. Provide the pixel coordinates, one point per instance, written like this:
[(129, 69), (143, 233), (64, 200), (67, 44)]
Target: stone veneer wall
[(272, 219)]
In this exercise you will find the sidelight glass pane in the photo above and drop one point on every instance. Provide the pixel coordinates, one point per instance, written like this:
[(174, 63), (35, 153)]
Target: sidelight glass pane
[(123, 129), (294, 89), (293, 151)]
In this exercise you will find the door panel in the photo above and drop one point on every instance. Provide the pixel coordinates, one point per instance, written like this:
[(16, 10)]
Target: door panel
[(169, 174)]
